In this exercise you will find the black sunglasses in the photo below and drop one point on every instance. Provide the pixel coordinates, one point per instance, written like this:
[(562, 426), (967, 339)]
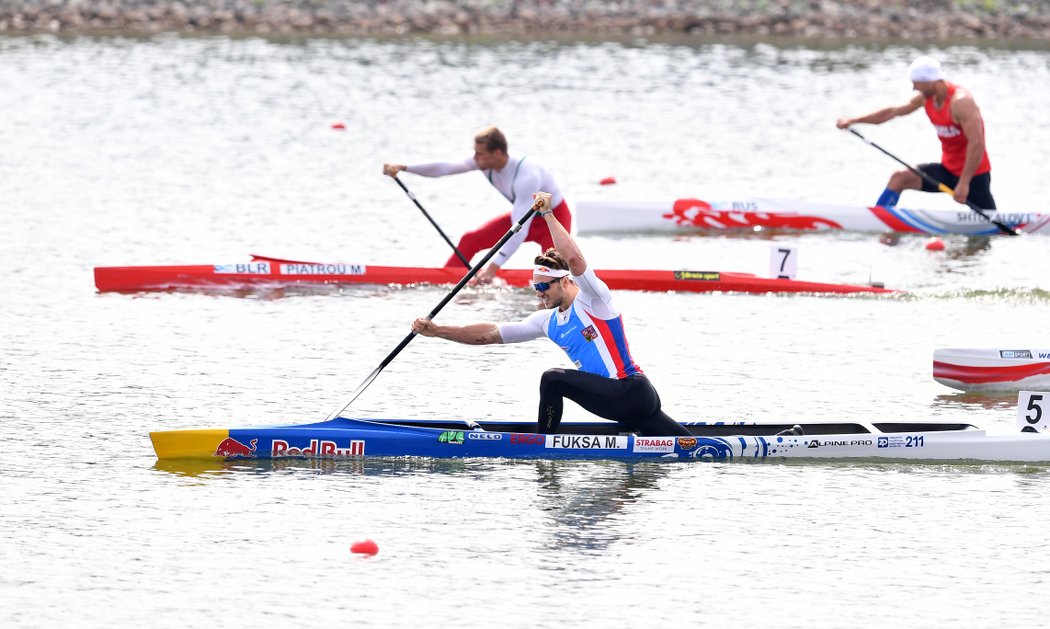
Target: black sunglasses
[(544, 286)]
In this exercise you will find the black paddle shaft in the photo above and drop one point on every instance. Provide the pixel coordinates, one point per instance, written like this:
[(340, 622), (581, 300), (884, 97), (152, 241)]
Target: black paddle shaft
[(463, 282), (1003, 227), (459, 254)]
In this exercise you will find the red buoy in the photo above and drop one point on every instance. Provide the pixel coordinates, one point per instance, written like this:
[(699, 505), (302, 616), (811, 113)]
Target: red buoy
[(338, 126), (608, 181), (364, 547), (935, 244)]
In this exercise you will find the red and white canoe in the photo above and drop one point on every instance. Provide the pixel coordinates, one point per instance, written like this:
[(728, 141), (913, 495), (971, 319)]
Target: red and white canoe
[(992, 369), (263, 271), (759, 213)]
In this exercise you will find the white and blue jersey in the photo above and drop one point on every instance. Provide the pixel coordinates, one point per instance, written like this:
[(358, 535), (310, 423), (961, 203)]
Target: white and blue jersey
[(590, 331), (516, 182)]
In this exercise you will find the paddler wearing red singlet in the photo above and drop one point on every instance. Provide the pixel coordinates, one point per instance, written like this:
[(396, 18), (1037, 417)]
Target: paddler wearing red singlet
[(516, 178), (964, 164)]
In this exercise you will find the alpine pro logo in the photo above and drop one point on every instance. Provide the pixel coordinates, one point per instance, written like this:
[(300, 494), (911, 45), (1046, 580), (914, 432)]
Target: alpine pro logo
[(840, 443)]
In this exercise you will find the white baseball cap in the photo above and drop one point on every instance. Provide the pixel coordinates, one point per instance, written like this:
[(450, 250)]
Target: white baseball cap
[(925, 70)]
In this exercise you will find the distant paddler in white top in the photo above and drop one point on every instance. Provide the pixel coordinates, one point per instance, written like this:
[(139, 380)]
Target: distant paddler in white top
[(516, 178), (964, 167), (580, 317)]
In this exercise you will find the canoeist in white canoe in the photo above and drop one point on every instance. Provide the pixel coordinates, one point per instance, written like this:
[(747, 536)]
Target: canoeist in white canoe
[(516, 179), (964, 164), (580, 317)]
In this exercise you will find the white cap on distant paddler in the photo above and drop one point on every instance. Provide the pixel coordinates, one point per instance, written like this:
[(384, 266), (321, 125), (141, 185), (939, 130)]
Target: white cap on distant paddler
[(925, 70)]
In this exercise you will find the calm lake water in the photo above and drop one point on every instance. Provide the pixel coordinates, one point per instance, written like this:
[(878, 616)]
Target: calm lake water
[(199, 151)]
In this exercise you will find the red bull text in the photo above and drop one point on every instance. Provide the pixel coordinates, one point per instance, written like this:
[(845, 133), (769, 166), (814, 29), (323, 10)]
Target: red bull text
[(319, 448)]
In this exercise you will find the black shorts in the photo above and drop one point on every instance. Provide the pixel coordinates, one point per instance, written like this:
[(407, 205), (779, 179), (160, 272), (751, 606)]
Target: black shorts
[(980, 185)]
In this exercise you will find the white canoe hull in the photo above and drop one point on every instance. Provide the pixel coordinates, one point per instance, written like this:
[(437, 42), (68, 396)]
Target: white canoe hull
[(992, 369), (961, 445), (753, 213)]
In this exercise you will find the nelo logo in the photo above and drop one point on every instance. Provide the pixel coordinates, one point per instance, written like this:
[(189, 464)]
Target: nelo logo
[(484, 436)]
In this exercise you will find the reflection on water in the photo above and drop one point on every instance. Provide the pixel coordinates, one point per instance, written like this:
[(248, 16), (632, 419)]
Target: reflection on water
[(976, 400), (922, 468), (581, 498), (957, 247), (1008, 296), (969, 247), (890, 239), (577, 494), (217, 468)]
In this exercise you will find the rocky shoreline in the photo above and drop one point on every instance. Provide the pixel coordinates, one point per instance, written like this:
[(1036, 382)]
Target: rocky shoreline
[(866, 19)]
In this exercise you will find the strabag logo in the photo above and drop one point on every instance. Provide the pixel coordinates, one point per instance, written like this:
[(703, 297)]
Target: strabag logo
[(843, 443), (595, 442), (654, 444), (1015, 353)]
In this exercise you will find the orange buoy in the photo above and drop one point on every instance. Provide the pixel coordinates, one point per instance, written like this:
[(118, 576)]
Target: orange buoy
[(364, 547), (935, 244)]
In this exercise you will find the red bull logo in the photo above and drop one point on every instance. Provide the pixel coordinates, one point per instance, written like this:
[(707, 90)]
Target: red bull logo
[(230, 448), (319, 448)]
